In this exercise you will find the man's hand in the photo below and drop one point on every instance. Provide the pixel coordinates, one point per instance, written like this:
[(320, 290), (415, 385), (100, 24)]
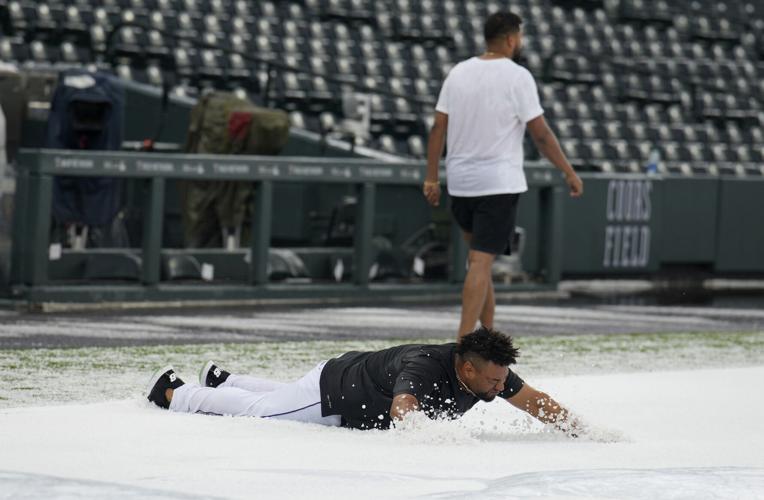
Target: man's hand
[(547, 144), (572, 426), (539, 405), (431, 190), (403, 404), (435, 144), (575, 184)]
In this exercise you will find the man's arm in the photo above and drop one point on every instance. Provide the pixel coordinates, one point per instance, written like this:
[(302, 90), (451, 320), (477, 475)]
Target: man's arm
[(547, 410), (435, 144), (403, 404), (547, 144)]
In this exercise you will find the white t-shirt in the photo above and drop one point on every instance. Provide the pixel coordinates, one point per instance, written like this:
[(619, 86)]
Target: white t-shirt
[(488, 103)]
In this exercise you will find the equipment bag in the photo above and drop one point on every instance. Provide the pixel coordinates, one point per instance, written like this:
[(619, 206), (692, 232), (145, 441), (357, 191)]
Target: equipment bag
[(222, 123), (86, 113)]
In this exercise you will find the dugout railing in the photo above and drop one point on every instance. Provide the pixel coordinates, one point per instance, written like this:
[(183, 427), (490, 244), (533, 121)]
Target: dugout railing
[(31, 248)]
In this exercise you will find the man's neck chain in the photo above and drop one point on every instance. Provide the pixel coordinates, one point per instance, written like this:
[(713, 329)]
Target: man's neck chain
[(463, 384)]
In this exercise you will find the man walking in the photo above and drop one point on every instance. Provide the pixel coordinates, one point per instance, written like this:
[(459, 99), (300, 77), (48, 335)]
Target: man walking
[(484, 107), (370, 390)]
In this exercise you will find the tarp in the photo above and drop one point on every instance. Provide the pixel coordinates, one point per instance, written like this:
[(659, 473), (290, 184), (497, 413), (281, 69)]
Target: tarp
[(222, 123), (86, 113)]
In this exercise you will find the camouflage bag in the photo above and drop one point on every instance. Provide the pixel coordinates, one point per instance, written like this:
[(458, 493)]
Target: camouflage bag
[(222, 123)]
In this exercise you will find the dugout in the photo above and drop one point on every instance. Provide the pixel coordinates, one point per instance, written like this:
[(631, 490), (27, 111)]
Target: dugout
[(328, 214), (43, 273)]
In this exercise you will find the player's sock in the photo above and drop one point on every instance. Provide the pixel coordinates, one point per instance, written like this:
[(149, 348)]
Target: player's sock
[(163, 379)]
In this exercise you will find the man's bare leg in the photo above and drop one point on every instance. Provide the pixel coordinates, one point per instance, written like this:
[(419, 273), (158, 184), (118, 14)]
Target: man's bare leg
[(489, 306), (476, 292)]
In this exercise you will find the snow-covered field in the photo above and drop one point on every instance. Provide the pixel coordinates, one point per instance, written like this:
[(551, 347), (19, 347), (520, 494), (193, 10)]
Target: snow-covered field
[(672, 415), (689, 434)]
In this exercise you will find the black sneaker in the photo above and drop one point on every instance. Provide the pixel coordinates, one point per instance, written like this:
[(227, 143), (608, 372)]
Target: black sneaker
[(163, 379), (212, 376)]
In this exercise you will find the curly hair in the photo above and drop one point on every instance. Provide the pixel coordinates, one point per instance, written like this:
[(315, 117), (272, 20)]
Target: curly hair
[(488, 345)]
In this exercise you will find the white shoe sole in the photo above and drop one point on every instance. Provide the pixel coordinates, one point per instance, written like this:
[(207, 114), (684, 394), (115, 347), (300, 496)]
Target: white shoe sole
[(155, 378), (204, 372)]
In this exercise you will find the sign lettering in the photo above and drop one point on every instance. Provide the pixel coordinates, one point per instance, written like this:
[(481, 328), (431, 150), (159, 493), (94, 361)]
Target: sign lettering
[(117, 165), (192, 168), (309, 171), (384, 172), (155, 166), (74, 163), (231, 168), (627, 236), (341, 172), (410, 173), (271, 170)]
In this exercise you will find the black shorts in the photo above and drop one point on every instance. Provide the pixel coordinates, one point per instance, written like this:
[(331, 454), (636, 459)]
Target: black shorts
[(490, 220)]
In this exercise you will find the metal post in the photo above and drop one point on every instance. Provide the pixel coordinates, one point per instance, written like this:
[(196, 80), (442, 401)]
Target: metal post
[(262, 208), (458, 268), (153, 216), (364, 231), (551, 220), (19, 255), (39, 202), (267, 89)]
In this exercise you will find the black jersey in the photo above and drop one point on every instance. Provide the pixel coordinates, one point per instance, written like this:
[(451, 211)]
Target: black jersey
[(360, 386)]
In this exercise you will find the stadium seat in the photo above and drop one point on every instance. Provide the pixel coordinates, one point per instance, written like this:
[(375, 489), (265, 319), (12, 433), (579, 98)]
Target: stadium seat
[(40, 53), (387, 144), (615, 77)]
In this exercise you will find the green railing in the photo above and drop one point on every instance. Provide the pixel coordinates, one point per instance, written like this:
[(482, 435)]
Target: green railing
[(37, 168)]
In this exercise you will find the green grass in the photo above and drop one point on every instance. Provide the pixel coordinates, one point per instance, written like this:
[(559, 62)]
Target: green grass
[(54, 376)]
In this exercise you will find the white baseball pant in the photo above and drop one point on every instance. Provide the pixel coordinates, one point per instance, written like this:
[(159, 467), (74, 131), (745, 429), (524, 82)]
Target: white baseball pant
[(243, 395)]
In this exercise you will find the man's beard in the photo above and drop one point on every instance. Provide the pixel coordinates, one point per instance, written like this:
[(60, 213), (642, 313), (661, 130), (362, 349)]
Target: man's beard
[(518, 56), (483, 396)]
